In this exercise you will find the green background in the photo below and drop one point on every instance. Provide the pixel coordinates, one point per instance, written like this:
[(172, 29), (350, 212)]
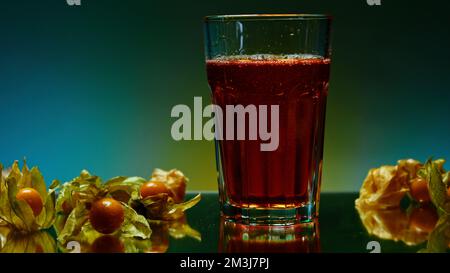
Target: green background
[(93, 86)]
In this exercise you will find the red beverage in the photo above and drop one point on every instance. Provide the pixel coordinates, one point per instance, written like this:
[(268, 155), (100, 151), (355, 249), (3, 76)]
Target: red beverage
[(289, 176)]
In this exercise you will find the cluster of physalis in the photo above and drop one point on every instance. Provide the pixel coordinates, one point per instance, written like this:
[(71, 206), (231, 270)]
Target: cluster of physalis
[(113, 216), (408, 202)]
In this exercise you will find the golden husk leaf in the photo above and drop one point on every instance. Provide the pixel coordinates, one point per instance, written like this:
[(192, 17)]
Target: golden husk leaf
[(175, 181), (384, 187)]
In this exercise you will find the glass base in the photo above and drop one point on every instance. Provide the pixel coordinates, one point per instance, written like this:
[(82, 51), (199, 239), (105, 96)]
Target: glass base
[(289, 216)]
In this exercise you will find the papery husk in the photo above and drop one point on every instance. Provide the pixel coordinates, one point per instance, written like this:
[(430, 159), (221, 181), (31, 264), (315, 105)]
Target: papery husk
[(434, 173), (80, 190), (124, 188), (383, 187), (4, 231), (174, 180), (163, 207), (33, 242), (77, 195), (4, 172), (77, 225), (386, 186), (17, 213), (85, 189)]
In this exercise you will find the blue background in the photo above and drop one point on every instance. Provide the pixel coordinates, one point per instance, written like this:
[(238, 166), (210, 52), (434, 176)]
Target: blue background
[(93, 86)]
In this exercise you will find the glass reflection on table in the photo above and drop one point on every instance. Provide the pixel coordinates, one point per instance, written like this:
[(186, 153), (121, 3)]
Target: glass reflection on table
[(240, 238)]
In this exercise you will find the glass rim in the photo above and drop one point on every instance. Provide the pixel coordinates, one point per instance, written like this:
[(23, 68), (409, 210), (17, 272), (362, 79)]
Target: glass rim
[(275, 16)]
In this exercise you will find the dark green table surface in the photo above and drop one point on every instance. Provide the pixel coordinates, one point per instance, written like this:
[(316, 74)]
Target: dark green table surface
[(339, 229)]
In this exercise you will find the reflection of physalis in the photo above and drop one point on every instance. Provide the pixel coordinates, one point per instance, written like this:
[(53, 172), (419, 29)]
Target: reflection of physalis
[(4, 231), (163, 230), (25, 203), (14, 241), (91, 241), (180, 229), (439, 239), (411, 226)]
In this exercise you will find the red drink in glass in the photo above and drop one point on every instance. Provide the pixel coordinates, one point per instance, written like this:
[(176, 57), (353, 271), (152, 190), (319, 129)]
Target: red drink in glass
[(299, 85), (275, 62)]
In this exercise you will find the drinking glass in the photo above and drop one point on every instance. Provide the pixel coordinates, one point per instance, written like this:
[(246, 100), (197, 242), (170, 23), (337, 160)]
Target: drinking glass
[(269, 76)]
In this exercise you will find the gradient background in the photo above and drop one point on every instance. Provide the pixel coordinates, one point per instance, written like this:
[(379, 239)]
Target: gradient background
[(93, 86)]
